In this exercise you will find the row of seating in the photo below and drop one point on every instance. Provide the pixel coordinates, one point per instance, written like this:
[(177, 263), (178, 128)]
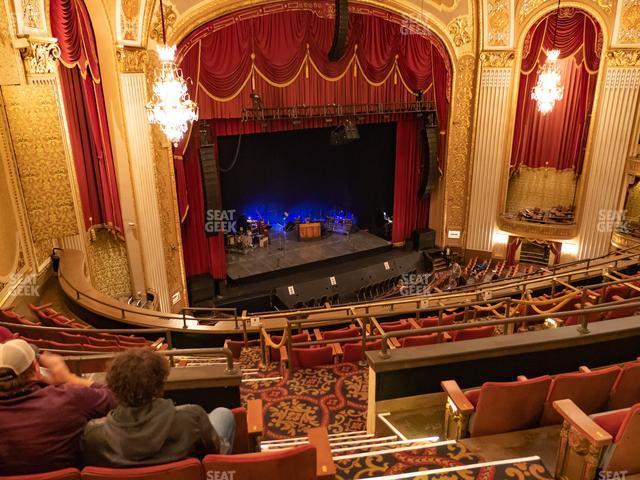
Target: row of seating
[(83, 340), (501, 407)]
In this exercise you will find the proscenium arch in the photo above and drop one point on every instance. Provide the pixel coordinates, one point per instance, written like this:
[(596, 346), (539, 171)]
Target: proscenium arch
[(531, 21)]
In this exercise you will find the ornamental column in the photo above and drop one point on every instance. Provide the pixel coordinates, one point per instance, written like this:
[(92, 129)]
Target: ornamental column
[(611, 146), (158, 228), (490, 148)]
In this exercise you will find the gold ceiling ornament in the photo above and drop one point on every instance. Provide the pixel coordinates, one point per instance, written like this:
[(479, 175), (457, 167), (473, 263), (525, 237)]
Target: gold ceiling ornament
[(170, 16), (132, 60), (498, 19), (529, 6), (498, 59), (629, 22), (624, 57), (459, 30), (39, 55)]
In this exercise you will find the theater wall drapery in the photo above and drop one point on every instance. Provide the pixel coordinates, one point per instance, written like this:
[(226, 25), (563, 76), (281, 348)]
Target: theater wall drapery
[(86, 114), (284, 57), (557, 140)]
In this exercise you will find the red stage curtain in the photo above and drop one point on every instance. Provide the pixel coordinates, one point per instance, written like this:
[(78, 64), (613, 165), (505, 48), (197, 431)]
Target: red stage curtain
[(284, 57), (557, 140), (409, 211), (202, 254), (86, 114)]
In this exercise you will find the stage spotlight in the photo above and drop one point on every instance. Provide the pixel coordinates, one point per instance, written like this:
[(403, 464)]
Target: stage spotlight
[(345, 133), (419, 96), (296, 121)]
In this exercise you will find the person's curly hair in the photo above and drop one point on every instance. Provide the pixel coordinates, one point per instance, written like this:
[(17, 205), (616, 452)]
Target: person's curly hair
[(137, 376)]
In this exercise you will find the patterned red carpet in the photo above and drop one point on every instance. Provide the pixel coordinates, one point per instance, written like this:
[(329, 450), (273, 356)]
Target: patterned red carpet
[(335, 397)]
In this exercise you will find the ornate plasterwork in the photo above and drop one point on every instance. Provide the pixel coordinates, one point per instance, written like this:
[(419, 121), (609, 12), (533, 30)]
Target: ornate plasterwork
[(11, 71), (537, 230), (461, 31), (628, 22), (624, 57), (170, 17), (30, 16), (40, 57), (109, 264), (457, 173), (129, 17), (619, 240), (529, 6), (498, 59), (132, 60), (498, 23), (633, 166), (37, 137)]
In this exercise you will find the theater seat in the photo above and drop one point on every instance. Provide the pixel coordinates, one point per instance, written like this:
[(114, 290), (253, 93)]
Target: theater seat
[(588, 390), (189, 469), (503, 407), (311, 357), (340, 334), (623, 453), (352, 352), (64, 474), (433, 321), (236, 346), (275, 353), (297, 463), (626, 390), (418, 340), (395, 326), (621, 312), (613, 438), (472, 333)]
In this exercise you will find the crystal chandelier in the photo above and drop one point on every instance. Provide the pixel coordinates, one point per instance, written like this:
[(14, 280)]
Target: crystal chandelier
[(548, 90), (170, 108)]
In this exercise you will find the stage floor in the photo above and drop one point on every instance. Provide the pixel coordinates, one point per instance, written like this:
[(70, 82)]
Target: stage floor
[(288, 253)]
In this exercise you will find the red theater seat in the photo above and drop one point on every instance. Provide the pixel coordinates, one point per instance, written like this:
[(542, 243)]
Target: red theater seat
[(311, 357), (301, 337), (189, 469), (418, 340), (433, 321), (472, 333), (341, 334), (395, 326), (626, 390), (588, 390), (502, 407), (621, 312), (623, 454), (352, 352), (236, 346), (297, 463), (64, 474)]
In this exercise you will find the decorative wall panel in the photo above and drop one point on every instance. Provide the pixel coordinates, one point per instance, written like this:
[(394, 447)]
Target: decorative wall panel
[(129, 15), (30, 17), (37, 136), (498, 23), (108, 264), (11, 65)]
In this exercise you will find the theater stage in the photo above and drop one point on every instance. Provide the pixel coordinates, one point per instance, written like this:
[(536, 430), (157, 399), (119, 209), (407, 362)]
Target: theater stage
[(288, 253)]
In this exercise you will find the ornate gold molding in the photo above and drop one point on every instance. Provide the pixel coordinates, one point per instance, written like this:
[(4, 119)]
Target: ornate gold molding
[(498, 59), (629, 30), (170, 17), (537, 230), (498, 17), (633, 166), (132, 60), (624, 57), (459, 148), (528, 7), (40, 56), (460, 32), (620, 240)]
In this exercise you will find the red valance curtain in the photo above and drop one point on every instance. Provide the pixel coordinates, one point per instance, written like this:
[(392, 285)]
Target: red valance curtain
[(86, 114), (284, 57), (556, 140)]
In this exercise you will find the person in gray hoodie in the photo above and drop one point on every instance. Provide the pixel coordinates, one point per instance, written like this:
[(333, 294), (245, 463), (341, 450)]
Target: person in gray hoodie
[(146, 429)]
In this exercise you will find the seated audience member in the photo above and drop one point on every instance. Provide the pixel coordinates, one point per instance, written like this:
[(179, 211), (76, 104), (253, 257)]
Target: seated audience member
[(42, 416), (5, 334), (146, 429)]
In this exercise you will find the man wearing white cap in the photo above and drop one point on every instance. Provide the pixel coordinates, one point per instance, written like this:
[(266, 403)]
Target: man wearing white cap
[(43, 415)]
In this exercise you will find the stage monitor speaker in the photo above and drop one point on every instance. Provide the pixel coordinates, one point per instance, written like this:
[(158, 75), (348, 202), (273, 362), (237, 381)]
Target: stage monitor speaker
[(430, 173), (210, 174), (424, 239), (340, 31)]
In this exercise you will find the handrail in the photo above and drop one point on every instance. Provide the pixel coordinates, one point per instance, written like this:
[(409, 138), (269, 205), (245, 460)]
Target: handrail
[(582, 328), (81, 331), (215, 352)]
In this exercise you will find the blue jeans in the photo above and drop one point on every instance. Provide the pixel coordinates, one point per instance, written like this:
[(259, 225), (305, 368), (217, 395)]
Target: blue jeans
[(224, 424)]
